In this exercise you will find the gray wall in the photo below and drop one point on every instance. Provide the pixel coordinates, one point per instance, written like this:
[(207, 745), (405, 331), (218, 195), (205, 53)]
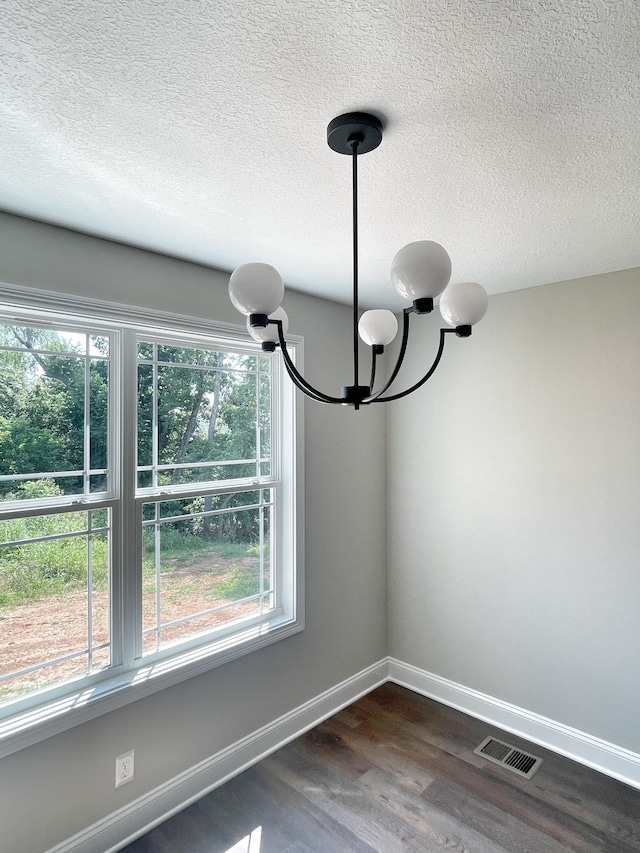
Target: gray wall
[(514, 507), (513, 499), (52, 790)]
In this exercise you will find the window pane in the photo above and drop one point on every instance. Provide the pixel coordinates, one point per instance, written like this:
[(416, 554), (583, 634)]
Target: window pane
[(199, 406), (54, 599), (205, 563), (42, 425), (99, 345), (98, 482), (205, 415), (30, 488), (201, 505), (238, 361), (99, 420), (265, 416), (99, 649), (184, 355), (42, 340), (53, 412), (145, 350), (145, 417), (207, 473)]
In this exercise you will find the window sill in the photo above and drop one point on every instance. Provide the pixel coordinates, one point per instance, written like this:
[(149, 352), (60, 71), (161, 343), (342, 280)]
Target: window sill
[(51, 718)]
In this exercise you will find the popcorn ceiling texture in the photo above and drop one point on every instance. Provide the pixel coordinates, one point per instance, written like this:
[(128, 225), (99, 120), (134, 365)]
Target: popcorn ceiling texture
[(198, 129)]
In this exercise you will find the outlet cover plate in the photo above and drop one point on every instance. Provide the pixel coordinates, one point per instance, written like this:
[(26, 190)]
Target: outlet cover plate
[(124, 768)]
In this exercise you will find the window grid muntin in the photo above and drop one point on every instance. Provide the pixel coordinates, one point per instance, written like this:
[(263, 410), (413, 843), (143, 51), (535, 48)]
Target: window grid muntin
[(110, 420), (222, 463), (257, 426), (52, 475), (86, 433), (212, 341)]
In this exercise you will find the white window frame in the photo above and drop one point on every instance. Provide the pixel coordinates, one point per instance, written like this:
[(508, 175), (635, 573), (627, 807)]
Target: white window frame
[(53, 710)]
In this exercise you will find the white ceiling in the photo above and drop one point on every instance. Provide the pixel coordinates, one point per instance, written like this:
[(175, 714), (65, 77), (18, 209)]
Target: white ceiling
[(198, 129)]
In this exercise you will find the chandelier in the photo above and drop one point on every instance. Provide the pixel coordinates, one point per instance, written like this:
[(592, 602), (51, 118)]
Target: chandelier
[(420, 272)]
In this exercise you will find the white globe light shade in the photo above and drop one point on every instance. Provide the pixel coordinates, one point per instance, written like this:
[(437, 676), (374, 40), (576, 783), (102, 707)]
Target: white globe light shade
[(464, 304), (421, 270), (270, 332), (378, 326), (256, 289)]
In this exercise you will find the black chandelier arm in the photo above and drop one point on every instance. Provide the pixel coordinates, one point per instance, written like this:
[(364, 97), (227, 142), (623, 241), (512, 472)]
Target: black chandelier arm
[(374, 355), (307, 389), (427, 375), (298, 380), (373, 398)]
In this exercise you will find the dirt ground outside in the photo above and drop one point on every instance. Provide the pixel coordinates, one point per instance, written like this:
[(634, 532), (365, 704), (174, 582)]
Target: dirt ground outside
[(58, 626)]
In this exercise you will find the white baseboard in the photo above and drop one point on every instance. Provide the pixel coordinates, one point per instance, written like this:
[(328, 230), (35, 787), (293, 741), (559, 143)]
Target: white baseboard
[(599, 754), (133, 820)]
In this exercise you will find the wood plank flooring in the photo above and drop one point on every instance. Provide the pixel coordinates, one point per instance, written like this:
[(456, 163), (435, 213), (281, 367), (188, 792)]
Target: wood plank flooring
[(396, 772)]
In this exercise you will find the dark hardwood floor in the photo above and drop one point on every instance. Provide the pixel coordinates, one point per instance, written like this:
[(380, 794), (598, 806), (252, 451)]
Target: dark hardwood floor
[(396, 772)]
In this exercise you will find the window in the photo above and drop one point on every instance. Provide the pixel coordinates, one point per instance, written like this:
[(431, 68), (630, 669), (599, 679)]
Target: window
[(147, 505)]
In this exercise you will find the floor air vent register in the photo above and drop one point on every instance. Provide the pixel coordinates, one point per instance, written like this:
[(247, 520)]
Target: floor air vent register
[(509, 757)]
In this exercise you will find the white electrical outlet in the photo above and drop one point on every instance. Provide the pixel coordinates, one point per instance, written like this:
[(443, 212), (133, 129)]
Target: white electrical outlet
[(124, 768)]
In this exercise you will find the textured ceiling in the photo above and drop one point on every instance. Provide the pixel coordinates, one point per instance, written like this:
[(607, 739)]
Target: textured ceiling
[(198, 129)]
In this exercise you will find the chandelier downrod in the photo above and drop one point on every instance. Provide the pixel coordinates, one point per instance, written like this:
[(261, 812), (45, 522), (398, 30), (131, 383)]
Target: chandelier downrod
[(356, 313), (420, 272)]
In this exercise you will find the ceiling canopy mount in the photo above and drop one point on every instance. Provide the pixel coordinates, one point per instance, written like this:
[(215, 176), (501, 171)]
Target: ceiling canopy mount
[(362, 128)]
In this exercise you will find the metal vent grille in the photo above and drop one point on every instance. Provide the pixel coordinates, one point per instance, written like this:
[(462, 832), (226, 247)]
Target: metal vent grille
[(508, 756)]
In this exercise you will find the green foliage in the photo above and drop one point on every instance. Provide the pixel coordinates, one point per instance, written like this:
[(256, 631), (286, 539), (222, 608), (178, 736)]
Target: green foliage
[(239, 583), (237, 550), (42, 569), (28, 448), (180, 549), (43, 388), (37, 569)]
